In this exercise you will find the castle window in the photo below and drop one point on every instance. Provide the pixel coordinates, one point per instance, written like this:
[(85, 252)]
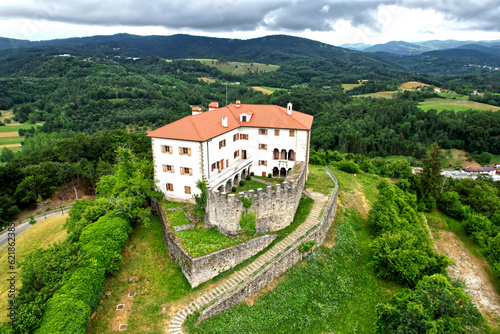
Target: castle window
[(214, 165), (236, 154), (184, 151), (292, 133), (187, 190), (168, 168), (186, 171), (222, 144), (262, 146), (166, 149), (235, 137), (170, 187), (262, 162), (276, 132), (262, 131), (243, 136)]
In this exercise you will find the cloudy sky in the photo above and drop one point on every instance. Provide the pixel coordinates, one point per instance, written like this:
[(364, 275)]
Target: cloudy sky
[(330, 21)]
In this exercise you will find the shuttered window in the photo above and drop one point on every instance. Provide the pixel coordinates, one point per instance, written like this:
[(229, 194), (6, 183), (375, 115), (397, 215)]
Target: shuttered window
[(262, 146), (166, 149), (168, 168), (186, 171), (184, 151), (170, 187)]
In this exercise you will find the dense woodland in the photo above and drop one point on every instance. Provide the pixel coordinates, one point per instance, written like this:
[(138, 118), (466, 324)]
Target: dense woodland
[(96, 109)]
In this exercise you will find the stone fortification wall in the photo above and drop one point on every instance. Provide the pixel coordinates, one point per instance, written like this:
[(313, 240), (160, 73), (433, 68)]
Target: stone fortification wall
[(281, 264), (201, 269), (274, 209)]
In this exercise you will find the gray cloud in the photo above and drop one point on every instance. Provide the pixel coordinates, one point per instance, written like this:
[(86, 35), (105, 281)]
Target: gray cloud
[(245, 15)]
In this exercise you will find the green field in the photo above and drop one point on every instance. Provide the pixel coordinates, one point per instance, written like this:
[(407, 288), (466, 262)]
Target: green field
[(238, 67), (42, 234), (379, 95), (337, 292), (350, 86), (454, 104), (17, 127)]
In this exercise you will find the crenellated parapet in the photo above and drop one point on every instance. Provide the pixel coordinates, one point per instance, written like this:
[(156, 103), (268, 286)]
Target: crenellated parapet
[(274, 208)]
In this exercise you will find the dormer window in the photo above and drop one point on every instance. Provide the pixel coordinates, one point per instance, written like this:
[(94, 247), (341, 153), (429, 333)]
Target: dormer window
[(243, 118)]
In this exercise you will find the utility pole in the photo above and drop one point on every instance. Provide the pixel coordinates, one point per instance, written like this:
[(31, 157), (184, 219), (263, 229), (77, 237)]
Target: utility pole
[(226, 93)]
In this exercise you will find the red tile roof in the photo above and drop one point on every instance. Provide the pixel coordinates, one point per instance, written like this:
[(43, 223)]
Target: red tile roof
[(209, 124)]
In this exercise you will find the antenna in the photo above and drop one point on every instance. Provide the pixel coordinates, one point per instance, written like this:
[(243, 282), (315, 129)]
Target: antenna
[(226, 93)]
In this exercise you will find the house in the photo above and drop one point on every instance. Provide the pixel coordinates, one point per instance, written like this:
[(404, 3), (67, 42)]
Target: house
[(480, 170), (437, 90), (223, 145)]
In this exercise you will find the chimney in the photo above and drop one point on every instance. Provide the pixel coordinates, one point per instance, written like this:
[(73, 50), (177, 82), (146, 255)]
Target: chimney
[(238, 103), (213, 106), (289, 108), (224, 122), (195, 111)]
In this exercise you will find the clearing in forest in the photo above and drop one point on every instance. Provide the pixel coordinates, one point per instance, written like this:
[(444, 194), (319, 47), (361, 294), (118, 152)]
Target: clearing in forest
[(454, 158), (238, 67)]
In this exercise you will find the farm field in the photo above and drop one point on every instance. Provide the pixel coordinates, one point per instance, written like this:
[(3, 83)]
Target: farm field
[(266, 90), (383, 95), (9, 136), (454, 158), (41, 234), (237, 67), (456, 105), (410, 85)]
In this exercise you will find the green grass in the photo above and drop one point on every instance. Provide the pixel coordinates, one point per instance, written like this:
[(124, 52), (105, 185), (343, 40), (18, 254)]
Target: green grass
[(350, 86), (12, 128), (318, 181), (250, 185), (161, 283), (171, 204), (177, 217), (10, 140), (238, 67), (337, 292), (275, 180), (273, 89), (200, 241), (455, 105), (41, 234)]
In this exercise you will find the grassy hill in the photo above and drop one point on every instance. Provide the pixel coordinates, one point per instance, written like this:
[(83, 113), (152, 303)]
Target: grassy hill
[(236, 67)]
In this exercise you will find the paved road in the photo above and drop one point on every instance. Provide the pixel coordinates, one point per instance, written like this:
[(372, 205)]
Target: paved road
[(21, 227)]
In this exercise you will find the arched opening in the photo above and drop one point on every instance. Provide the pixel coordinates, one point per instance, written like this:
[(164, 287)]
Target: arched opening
[(283, 154), (283, 172), (236, 179), (291, 155), (220, 189), (276, 154), (243, 174), (276, 172), (228, 186)]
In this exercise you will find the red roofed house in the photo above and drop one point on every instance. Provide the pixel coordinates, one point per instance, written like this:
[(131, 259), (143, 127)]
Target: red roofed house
[(225, 144)]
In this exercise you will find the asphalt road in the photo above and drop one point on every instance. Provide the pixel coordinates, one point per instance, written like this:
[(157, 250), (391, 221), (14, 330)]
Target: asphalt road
[(22, 227)]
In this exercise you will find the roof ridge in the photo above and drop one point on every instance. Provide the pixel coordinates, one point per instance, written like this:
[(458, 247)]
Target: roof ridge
[(195, 128), (282, 109)]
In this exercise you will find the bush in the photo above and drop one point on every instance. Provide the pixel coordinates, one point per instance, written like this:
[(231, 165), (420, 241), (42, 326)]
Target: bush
[(32, 220), (270, 175), (406, 256), (242, 183), (233, 189), (306, 246), (349, 166), (449, 203), (248, 222), (435, 306), (248, 177), (252, 173), (479, 228)]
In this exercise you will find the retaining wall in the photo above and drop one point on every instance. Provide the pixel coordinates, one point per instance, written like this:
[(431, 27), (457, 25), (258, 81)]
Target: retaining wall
[(284, 262), (201, 269), (274, 209)]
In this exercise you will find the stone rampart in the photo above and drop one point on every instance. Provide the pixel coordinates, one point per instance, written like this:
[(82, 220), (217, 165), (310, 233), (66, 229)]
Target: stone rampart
[(201, 269), (281, 264), (274, 209)]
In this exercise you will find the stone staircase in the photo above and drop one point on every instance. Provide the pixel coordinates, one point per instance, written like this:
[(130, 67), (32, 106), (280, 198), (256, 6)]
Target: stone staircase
[(226, 286)]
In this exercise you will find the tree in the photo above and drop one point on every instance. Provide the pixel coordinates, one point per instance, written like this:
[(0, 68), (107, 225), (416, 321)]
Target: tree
[(435, 306), (431, 178)]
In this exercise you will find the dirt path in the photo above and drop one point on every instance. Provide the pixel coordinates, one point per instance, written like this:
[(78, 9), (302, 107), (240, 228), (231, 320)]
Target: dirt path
[(471, 270)]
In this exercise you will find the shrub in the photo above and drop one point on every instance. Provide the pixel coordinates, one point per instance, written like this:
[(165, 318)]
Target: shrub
[(233, 189), (269, 175), (449, 203), (306, 246), (435, 306), (479, 228), (248, 222), (248, 177), (349, 166), (242, 183), (32, 220), (252, 173), (406, 256), (247, 202)]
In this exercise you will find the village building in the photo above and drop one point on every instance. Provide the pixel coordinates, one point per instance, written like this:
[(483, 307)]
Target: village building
[(223, 145)]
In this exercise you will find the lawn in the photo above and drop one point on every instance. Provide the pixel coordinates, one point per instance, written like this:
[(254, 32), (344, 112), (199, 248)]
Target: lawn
[(177, 217), (318, 181), (160, 283), (250, 185), (456, 105), (336, 292), (275, 180), (42, 234), (238, 67)]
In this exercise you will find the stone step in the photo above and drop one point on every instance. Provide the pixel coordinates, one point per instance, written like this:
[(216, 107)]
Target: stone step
[(175, 331), (175, 326), (176, 322)]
